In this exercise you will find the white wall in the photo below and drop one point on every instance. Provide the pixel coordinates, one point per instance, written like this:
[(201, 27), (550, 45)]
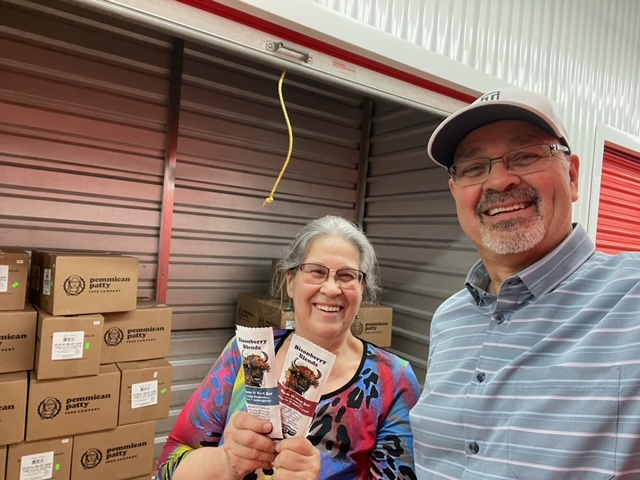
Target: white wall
[(582, 53)]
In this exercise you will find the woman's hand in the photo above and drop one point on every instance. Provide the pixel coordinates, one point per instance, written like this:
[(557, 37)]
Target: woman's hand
[(297, 459), (247, 446)]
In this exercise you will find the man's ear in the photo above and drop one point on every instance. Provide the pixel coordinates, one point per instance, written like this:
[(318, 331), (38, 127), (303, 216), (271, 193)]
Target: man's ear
[(574, 174)]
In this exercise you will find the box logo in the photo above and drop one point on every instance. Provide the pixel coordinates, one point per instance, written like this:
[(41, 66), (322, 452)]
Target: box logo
[(12, 336), (120, 452), (91, 458), (49, 408), (81, 404), (113, 337), (74, 285)]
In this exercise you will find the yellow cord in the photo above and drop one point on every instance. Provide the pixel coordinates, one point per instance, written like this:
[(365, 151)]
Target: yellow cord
[(270, 198)]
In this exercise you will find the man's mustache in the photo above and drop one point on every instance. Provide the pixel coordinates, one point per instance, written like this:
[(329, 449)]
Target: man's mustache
[(523, 194)]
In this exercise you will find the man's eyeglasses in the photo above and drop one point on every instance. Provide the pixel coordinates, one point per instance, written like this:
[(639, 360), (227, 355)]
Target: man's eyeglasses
[(315, 274), (520, 161)]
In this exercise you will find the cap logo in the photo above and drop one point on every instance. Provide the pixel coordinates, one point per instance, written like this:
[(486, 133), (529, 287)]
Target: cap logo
[(490, 97)]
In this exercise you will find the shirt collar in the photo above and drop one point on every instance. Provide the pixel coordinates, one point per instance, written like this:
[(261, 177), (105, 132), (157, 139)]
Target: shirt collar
[(544, 275)]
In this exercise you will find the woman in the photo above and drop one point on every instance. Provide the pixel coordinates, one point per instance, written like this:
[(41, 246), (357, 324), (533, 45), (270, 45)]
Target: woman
[(361, 426)]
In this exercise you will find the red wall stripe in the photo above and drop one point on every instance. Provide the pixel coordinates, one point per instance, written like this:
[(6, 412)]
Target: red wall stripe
[(619, 210)]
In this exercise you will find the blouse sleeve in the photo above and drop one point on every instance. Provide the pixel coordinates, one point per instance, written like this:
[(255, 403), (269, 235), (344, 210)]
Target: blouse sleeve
[(393, 455), (204, 416)]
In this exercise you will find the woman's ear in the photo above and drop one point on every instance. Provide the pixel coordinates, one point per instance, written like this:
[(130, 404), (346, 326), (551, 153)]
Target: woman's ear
[(290, 288)]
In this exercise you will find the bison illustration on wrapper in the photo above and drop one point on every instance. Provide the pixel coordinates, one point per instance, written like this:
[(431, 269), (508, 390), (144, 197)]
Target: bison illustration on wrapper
[(255, 366), (301, 378)]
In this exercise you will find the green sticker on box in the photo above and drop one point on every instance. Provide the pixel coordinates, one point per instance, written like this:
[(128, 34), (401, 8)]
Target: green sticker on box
[(57, 466), (15, 284), (164, 390), (87, 346)]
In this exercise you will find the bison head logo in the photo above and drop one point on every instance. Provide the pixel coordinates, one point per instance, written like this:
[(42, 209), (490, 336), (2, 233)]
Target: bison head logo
[(254, 367), (301, 378)]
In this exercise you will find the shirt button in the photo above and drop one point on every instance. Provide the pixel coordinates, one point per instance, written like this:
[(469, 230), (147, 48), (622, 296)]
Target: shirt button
[(500, 318), (481, 376), (474, 447)]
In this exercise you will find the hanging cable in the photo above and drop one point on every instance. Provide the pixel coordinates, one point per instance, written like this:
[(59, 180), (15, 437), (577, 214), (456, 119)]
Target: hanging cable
[(270, 198)]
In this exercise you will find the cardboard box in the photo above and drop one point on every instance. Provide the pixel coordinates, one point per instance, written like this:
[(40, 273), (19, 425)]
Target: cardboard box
[(256, 311), (73, 405), (374, 324), (49, 459), (74, 284), (115, 454), (141, 334), (148, 476), (14, 271), (17, 339), (13, 402), (145, 390), (3, 462), (68, 346)]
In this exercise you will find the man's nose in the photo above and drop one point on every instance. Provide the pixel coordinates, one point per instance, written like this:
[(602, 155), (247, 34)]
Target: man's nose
[(499, 176)]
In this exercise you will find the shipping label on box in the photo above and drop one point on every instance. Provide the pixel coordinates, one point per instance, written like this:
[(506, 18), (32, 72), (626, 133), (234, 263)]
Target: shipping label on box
[(43, 459), (116, 454), (75, 284), (141, 334), (14, 272), (254, 310), (145, 390), (374, 324), (73, 405), (68, 346), (13, 401), (17, 339)]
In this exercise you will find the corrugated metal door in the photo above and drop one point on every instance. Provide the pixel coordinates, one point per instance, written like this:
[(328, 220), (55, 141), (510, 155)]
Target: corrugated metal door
[(83, 116), (411, 219), (82, 122), (233, 141), (83, 127), (619, 212)]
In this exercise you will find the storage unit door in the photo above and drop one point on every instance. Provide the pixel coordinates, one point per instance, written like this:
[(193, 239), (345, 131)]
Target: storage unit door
[(619, 211), (82, 132)]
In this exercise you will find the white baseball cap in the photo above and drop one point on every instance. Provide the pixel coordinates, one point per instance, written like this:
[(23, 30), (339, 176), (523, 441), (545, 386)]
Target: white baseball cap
[(504, 104)]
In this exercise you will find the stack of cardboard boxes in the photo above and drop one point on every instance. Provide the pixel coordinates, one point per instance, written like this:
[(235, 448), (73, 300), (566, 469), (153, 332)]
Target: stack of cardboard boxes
[(83, 373), (373, 324)]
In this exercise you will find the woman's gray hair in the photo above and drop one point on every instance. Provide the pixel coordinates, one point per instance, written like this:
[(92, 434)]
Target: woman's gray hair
[(329, 226)]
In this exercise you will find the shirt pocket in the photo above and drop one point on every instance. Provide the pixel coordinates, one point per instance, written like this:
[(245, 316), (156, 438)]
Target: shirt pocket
[(565, 423)]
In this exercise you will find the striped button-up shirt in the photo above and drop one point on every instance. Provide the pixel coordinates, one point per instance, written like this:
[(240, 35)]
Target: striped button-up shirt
[(540, 382)]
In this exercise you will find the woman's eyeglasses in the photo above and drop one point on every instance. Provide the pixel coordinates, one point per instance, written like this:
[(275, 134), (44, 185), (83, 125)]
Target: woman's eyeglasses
[(315, 274)]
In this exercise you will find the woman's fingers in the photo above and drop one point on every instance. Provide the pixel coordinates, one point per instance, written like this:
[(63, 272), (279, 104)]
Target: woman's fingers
[(297, 459)]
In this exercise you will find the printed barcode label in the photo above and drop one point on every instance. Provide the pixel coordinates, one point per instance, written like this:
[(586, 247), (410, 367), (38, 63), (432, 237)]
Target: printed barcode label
[(36, 467), (144, 394), (67, 345), (46, 281), (4, 278)]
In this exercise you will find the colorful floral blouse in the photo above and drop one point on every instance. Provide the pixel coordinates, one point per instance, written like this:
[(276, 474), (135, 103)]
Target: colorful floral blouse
[(361, 430)]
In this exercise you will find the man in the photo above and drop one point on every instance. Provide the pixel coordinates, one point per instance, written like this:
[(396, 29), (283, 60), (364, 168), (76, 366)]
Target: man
[(534, 367)]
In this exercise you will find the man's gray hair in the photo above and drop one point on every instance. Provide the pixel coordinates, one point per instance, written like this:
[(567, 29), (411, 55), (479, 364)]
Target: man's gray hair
[(329, 226)]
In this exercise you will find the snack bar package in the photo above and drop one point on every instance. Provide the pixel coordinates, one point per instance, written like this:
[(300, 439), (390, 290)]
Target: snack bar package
[(305, 371), (260, 379)]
